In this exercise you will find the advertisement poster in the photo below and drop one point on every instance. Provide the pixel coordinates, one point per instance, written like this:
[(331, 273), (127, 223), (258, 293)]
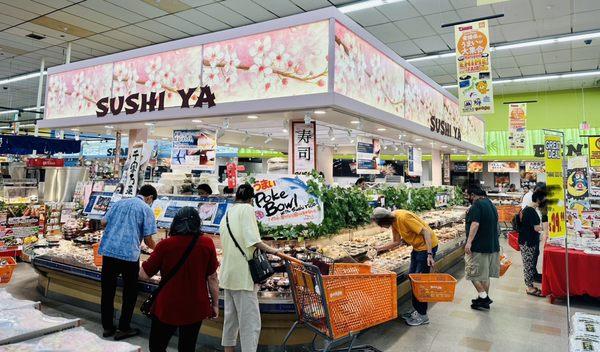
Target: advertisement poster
[(474, 68), (554, 181), (285, 201), (304, 145), (475, 166), (537, 167), (577, 185), (196, 149), (367, 155), (415, 166), (503, 166), (594, 150), (595, 182), (517, 125)]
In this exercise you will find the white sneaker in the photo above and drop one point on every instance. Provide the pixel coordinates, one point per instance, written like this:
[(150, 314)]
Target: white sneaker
[(408, 314), (417, 320)]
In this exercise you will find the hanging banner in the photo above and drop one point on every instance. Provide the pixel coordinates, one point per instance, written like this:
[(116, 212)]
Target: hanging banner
[(304, 145), (537, 167), (196, 149), (517, 125), (368, 151), (131, 171), (577, 185), (594, 150), (474, 68), (446, 169), (503, 166), (280, 201), (475, 166), (415, 166), (554, 181)]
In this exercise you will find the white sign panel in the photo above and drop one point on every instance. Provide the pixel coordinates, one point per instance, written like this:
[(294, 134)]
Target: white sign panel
[(367, 156), (304, 147), (415, 166)]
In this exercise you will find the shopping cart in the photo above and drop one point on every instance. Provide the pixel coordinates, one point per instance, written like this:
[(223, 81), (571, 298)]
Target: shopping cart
[(338, 306), (506, 213)]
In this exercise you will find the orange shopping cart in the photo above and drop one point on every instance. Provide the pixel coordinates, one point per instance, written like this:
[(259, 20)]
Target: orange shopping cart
[(338, 306)]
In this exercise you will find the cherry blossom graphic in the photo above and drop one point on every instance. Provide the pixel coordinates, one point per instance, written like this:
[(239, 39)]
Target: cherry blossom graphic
[(422, 100), (367, 75), (285, 62)]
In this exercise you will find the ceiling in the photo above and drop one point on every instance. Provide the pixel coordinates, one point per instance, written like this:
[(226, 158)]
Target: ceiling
[(411, 28)]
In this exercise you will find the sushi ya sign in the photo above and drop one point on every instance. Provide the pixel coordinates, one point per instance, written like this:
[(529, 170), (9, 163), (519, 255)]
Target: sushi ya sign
[(152, 101)]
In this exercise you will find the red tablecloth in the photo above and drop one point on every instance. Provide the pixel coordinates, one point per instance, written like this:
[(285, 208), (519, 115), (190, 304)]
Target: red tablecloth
[(584, 273)]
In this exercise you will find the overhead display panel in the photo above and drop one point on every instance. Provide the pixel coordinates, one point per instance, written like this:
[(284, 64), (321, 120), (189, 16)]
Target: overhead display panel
[(365, 74), (286, 62)]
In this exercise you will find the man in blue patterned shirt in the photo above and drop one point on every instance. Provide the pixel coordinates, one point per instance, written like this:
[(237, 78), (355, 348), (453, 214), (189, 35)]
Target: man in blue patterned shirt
[(128, 222)]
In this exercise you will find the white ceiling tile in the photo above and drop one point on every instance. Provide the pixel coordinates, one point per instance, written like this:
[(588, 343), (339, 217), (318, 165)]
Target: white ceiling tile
[(435, 70), (470, 13), (399, 11), (29, 27), (113, 10), (582, 44), (555, 47), (524, 51), (78, 21), (405, 48), (127, 38), (558, 67), (584, 53), (552, 26), (55, 4), (92, 44), (426, 7), (140, 7), (557, 56), (527, 60), (18, 13), (102, 39), (9, 20), (450, 69), (185, 26), (461, 4), (504, 62), (195, 3), (496, 35), (225, 15), (432, 44), (202, 19), (551, 8), (279, 7), (514, 11), (582, 65), (586, 5), (449, 39), (140, 32), (387, 33), (27, 5), (95, 16), (163, 29), (444, 79), (586, 21), (308, 5), (518, 31), (415, 27), (507, 72), (436, 21), (250, 9), (532, 70), (368, 17)]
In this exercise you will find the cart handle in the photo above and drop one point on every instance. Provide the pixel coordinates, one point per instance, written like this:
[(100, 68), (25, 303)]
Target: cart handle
[(289, 258)]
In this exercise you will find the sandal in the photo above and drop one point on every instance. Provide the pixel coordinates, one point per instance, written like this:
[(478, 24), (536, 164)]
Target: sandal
[(536, 292)]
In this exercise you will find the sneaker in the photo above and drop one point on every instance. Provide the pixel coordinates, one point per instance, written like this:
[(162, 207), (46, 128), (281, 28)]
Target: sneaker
[(480, 304), (487, 299), (417, 320), (108, 332), (409, 314), (122, 335)]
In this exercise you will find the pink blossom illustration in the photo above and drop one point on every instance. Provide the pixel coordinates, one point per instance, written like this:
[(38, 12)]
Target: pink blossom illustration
[(422, 100), (285, 62), (367, 75)]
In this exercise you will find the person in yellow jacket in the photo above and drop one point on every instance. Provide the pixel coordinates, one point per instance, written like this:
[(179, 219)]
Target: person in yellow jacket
[(414, 231)]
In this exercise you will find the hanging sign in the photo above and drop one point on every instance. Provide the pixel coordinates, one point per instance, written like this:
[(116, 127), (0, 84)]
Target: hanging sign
[(475, 166), (285, 200), (304, 146), (415, 166), (195, 149), (554, 181), (473, 68), (446, 169), (537, 167), (132, 171), (577, 185), (368, 151), (517, 125), (594, 150), (45, 162), (503, 166)]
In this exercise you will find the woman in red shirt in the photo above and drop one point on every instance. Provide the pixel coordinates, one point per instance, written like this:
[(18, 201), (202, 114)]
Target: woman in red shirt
[(184, 301)]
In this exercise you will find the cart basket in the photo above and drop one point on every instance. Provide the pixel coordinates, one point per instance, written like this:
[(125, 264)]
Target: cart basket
[(6, 269), (97, 256), (433, 287)]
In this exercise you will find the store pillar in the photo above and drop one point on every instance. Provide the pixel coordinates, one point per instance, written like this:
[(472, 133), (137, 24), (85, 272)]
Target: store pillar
[(137, 135), (325, 162), (436, 168)]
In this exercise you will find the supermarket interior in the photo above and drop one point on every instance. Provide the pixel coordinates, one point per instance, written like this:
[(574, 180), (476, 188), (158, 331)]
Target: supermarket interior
[(300, 175)]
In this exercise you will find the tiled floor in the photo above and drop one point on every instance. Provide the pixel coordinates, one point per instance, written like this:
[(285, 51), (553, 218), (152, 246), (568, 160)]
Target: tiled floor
[(516, 322)]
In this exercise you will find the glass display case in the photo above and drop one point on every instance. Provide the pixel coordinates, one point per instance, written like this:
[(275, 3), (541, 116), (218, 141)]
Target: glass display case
[(17, 191)]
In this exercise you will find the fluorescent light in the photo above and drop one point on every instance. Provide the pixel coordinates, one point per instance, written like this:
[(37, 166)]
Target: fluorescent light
[(197, 121), (381, 129), (109, 127), (165, 138), (149, 124), (444, 146), (6, 112), (365, 5), (539, 78), (21, 78), (252, 117), (429, 57), (319, 112), (31, 108), (355, 122), (418, 139), (75, 129)]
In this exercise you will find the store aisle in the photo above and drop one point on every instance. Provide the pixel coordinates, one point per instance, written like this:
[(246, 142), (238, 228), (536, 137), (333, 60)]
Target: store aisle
[(516, 322)]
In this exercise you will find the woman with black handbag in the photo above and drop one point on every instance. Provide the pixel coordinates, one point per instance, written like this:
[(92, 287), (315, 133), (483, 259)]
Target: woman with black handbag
[(187, 261)]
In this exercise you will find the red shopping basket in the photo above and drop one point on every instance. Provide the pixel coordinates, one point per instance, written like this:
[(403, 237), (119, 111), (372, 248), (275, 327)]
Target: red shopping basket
[(513, 240), (505, 263), (7, 266), (433, 287)]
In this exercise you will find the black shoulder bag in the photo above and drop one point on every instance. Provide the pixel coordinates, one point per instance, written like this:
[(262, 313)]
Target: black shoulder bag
[(259, 265), (146, 306)]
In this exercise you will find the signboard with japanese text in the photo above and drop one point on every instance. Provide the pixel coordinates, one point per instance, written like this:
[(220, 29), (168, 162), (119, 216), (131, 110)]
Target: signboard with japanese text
[(131, 172), (474, 68), (538, 167), (554, 180), (446, 169), (415, 166), (284, 200), (304, 144), (503, 166), (195, 149), (594, 151), (368, 151), (517, 125)]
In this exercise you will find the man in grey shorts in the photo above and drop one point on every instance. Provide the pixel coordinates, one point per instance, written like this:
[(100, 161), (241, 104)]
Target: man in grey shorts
[(482, 250)]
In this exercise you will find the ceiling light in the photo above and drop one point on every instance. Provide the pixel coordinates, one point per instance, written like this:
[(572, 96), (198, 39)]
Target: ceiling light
[(330, 134), (165, 138), (381, 129), (444, 146), (319, 112), (75, 129), (246, 137), (252, 117), (197, 121), (124, 135), (220, 133), (269, 139), (21, 78), (149, 124), (540, 78), (307, 118), (365, 5), (418, 139), (395, 147), (109, 127), (355, 122), (335, 148), (286, 123), (385, 147), (226, 124)]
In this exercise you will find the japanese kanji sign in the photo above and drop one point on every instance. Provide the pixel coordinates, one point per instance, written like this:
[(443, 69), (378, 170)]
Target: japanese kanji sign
[(473, 68), (304, 147)]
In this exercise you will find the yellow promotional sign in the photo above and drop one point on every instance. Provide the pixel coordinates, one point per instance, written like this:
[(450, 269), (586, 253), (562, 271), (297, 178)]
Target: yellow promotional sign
[(517, 122), (594, 148), (553, 155)]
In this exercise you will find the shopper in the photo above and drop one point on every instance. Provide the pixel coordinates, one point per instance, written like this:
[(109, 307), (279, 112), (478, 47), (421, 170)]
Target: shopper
[(414, 231), (204, 190), (526, 198), (241, 314), (128, 222), (184, 302), (529, 240), (512, 188), (361, 183), (482, 250)]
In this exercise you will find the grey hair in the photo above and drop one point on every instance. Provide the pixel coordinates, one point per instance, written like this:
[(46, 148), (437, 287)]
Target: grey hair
[(380, 213)]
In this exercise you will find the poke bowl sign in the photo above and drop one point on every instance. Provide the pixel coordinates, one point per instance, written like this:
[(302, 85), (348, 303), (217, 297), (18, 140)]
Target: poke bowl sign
[(284, 200)]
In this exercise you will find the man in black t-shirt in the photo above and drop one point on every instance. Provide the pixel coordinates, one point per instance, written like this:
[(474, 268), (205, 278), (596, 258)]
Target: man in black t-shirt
[(482, 250)]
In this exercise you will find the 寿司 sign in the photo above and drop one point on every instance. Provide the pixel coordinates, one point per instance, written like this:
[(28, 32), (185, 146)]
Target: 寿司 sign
[(284, 200)]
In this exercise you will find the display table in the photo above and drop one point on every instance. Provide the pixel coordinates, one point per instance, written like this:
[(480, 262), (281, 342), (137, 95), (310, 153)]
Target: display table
[(583, 273)]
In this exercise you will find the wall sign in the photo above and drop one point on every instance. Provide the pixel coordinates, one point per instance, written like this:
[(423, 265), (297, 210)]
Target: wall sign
[(41, 162), (195, 149), (554, 181), (594, 151), (304, 146), (474, 68), (285, 201), (517, 125), (503, 166), (475, 166), (368, 151), (577, 185), (415, 166), (459, 167), (538, 167)]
